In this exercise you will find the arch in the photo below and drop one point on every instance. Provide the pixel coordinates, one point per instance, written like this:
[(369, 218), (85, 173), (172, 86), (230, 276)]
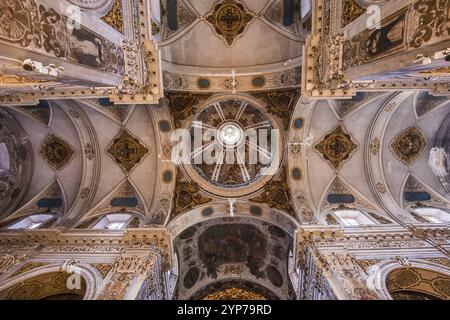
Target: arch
[(223, 284), (195, 216), (375, 171), (417, 277), (48, 281), (300, 141)]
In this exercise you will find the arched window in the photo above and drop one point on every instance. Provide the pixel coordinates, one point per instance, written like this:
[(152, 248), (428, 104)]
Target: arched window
[(113, 222), (433, 215), (31, 222), (352, 218)]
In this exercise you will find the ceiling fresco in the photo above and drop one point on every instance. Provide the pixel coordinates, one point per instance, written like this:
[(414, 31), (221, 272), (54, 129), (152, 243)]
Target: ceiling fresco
[(236, 248), (233, 119)]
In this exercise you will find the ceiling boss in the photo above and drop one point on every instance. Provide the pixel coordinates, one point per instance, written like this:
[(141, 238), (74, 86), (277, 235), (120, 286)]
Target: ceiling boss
[(229, 20)]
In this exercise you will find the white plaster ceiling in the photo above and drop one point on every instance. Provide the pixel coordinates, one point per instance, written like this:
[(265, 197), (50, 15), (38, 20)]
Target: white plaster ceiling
[(43, 174), (320, 173), (260, 44), (396, 171)]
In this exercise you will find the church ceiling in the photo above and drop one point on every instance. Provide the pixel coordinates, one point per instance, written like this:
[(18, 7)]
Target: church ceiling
[(340, 195), (412, 138), (119, 112), (241, 248), (256, 86), (280, 103), (285, 15), (345, 107), (41, 112), (17, 165), (231, 115), (129, 152), (187, 195), (226, 32), (51, 200), (425, 103), (415, 193), (276, 194), (176, 15), (318, 187)]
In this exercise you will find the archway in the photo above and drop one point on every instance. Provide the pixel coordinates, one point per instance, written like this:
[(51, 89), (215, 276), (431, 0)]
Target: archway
[(418, 284), (47, 286)]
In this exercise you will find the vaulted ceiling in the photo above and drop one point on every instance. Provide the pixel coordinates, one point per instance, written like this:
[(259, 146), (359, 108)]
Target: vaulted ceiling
[(232, 227), (191, 34)]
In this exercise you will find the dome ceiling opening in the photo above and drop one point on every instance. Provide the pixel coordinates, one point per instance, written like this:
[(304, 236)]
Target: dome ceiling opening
[(235, 146)]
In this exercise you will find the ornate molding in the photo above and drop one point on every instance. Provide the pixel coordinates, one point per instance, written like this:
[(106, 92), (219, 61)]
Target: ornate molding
[(56, 152), (337, 147), (229, 19), (280, 103), (351, 10), (127, 151), (409, 145), (187, 195), (114, 17), (235, 294), (277, 195)]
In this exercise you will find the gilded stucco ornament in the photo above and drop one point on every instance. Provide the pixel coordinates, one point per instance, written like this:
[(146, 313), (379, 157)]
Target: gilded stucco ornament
[(114, 18), (56, 152), (351, 10), (409, 145), (127, 151), (187, 195), (277, 195), (281, 103), (337, 147), (182, 106), (229, 20), (235, 294)]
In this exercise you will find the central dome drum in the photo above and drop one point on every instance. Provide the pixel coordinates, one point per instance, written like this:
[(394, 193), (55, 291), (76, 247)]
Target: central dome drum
[(235, 146)]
